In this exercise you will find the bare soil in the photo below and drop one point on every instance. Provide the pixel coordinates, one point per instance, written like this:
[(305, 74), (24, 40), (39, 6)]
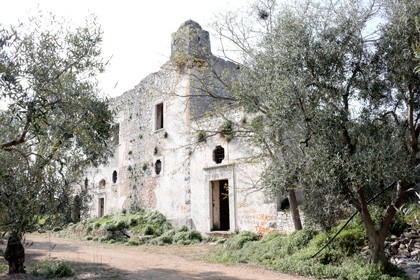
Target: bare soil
[(93, 260)]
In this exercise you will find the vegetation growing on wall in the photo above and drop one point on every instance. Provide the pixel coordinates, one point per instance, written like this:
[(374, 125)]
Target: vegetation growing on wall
[(226, 130), (201, 136)]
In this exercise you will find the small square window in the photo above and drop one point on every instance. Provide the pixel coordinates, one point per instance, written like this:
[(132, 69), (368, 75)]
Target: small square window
[(159, 116), (218, 154)]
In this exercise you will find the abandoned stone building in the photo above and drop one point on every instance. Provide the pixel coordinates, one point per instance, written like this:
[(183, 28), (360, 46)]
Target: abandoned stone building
[(168, 155)]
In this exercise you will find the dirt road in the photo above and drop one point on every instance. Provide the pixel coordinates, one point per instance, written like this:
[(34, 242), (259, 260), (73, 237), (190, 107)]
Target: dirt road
[(92, 260)]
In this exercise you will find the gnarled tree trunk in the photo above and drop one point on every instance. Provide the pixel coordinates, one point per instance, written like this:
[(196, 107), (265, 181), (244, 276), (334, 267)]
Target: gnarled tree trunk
[(377, 237), (294, 209), (15, 254)]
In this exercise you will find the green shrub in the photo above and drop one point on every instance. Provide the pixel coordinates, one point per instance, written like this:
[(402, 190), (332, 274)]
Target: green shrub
[(89, 229), (161, 240), (398, 223), (109, 226), (3, 267), (155, 217), (183, 228), (89, 237), (121, 225), (121, 239), (330, 256), (52, 269), (226, 131), (132, 222), (103, 239), (201, 136), (144, 167), (133, 242), (237, 242), (149, 230), (293, 254), (301, 238), (349, 241), (62, 270), (187, 237), (165, 238)]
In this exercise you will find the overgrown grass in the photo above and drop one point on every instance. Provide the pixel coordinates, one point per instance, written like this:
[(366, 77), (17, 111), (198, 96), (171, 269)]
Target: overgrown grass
[(292, 254), (181, 236), (141, 226), (52, 269)]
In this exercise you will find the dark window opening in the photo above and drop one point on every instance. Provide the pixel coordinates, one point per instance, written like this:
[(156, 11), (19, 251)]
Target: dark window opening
[(159, 116), (77, 205), (101, 207), (116, 134), (102, 183), (158, 167), (86, 184), (283, 203), (114, 177), (218, 154)]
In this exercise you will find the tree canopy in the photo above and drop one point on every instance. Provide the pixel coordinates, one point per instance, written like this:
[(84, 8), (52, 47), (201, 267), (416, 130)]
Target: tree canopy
[(53, 121), (333, 89)]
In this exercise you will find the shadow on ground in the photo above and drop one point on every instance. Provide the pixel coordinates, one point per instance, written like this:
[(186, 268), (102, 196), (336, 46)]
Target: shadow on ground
[(85, 270)]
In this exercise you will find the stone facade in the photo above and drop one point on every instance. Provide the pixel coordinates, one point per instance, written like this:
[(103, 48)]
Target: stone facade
[(163, 160)]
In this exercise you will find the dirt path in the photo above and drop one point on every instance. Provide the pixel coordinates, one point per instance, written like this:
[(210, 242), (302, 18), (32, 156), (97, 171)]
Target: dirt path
[(93, 260)]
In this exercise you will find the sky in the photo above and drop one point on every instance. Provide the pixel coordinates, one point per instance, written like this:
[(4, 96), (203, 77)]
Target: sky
[(137, 34)]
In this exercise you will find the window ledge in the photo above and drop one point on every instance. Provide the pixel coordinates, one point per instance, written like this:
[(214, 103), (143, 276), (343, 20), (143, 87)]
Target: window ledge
[(219, 165)]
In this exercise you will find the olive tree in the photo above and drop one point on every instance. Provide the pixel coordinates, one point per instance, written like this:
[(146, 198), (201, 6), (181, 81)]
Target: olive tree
[(417, 45), (336, 102), (244, 37), (53, 122)]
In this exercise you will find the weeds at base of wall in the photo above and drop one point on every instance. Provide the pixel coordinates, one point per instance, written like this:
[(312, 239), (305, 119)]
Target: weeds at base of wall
[(135, 229), (181, 236)]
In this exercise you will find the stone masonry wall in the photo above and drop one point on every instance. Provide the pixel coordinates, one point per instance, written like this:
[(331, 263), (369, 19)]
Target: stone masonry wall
[(159, 162)]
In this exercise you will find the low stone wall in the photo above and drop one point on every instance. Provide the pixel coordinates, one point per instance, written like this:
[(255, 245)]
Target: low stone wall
[(404, 251)]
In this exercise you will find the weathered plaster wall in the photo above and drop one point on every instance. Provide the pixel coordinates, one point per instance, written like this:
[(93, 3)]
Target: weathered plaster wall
[(183, 190)]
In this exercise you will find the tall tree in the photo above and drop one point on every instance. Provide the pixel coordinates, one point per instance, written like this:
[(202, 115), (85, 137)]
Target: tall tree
[(259, 90), (417, 45), (53, 122), (336, 100)]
